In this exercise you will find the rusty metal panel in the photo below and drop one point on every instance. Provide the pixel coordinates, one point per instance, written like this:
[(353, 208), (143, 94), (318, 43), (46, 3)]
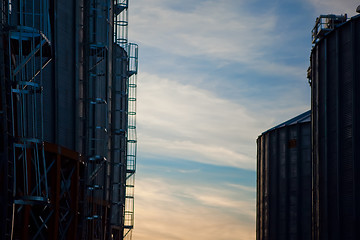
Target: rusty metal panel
[(58, 218)]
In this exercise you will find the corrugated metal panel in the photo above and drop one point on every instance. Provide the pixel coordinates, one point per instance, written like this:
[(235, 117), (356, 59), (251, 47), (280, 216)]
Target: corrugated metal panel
[(284, 181), (62, 214), (5, 167), (49, 104), (335, 106), (118, 140), (65, 72), (60, 78)]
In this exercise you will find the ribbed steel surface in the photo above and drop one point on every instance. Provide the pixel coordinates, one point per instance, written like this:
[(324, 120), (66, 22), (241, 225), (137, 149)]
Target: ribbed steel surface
[(284, 181), (335, 72), (61, 78), (118, 140)]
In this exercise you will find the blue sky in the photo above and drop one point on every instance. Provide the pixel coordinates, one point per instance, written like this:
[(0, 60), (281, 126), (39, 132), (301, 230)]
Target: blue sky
[(213, 76)]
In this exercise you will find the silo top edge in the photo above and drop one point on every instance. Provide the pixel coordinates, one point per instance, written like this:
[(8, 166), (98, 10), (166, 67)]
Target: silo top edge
[(302, 118), (353, 18)]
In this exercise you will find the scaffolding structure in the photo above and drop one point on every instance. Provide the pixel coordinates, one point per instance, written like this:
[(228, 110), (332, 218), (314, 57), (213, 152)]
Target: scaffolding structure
[(28, 46)]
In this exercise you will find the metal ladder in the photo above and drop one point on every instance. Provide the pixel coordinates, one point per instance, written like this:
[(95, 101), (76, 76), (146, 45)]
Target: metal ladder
[(118, 147), (131, 140), (96, 123)]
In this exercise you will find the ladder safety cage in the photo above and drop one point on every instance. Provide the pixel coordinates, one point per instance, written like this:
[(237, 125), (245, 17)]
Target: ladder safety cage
[(121, 22), (131, 140), (125, 162), (119, 116)]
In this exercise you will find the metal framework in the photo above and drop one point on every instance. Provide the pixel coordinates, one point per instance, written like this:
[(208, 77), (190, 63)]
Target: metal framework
[(325, 24), (28, 53), (64, 170)]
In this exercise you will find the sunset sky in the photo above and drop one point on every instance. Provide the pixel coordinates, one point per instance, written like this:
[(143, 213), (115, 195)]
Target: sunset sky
[(213, 75)]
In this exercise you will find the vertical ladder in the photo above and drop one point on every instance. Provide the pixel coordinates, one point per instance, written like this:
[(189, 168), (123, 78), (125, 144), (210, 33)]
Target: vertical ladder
[(121, 22), (129, 165), (96, 120), (119, 116), (131, 140)]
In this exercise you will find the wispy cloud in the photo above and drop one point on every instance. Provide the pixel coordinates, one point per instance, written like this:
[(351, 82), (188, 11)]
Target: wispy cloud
[(176, 211), (335, 6), (197, 52), (211, 28), (187, 122), (241, 187), (221, 31)]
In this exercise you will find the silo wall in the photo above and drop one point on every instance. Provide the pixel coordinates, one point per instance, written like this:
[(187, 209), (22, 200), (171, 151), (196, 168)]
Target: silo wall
[(284, 181), (118, 145), (61, 93), (335, 71)]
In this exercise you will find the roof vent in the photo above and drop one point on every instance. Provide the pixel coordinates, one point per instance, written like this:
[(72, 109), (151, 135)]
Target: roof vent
[(358, 9)]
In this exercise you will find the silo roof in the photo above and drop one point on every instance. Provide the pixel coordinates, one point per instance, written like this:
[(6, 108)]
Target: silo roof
[(302, 118)]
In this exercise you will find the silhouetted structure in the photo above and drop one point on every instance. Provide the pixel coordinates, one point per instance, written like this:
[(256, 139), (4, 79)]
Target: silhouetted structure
[(68, 127), (284, 181), (335, 75)]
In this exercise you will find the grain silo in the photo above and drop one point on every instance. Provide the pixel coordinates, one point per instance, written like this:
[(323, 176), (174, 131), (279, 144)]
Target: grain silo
[(334, 76), (67, 120), (284, 181)]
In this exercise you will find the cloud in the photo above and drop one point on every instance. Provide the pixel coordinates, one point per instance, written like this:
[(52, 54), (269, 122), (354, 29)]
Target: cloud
[(335, 6), (211, 28), (220, 31), (187, 122), (168, 211), (242, 187), (183, 121)]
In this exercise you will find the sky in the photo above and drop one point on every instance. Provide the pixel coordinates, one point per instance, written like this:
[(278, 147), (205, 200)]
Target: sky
[(213, 75)]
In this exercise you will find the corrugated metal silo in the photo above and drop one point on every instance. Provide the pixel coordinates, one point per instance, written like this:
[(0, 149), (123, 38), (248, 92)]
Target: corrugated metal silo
[(335, 71), (284, 181)]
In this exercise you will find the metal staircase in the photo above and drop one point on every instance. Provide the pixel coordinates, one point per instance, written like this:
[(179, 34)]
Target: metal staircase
[(29, 52)]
